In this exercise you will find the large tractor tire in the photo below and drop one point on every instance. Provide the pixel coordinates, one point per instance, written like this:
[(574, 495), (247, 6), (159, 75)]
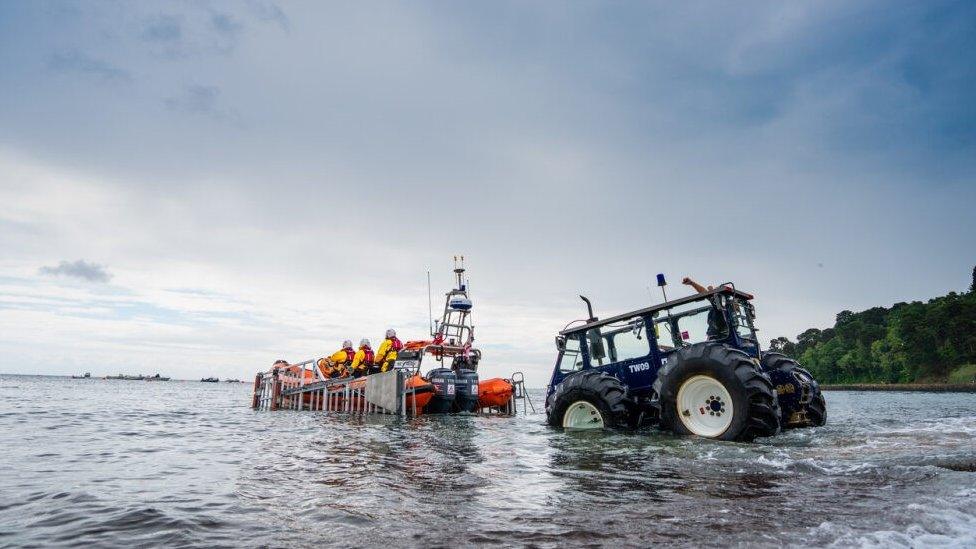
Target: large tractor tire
[(799, 395), (715, 391), (591, 399)]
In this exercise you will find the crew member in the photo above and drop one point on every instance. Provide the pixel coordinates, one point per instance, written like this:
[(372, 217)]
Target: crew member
[(363, 361), (339, 362), (387, 353), (718, 328)]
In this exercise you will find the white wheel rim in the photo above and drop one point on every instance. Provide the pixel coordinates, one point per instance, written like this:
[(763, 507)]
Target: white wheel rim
[(582, 415), (704, 406)]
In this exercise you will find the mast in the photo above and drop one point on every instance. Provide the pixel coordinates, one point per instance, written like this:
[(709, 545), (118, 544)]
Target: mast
[(456, 328)]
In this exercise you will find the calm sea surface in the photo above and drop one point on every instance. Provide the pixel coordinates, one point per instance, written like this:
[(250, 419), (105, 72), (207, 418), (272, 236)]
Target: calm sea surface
[(126, 463)]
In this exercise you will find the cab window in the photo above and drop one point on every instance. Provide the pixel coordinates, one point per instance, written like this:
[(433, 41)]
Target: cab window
[(742, 315), (628, 340), (664, 333), (689, 323), (570, 360), (617, 342), (693, 327)]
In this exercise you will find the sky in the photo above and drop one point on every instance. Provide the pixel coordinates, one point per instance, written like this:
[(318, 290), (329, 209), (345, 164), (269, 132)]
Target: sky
[(200, 188)]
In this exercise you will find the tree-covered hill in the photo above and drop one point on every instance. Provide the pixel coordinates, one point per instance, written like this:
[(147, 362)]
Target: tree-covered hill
[(906, 343)]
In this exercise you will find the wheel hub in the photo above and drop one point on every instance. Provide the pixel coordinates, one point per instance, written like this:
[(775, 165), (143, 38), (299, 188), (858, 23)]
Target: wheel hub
[(715, 405), (704, 406)]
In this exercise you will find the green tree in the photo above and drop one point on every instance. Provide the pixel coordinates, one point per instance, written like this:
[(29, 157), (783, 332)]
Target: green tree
[(783, 345), (907, 342)]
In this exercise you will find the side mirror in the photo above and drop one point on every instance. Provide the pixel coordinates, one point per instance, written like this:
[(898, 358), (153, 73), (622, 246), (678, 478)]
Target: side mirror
[(560, 343)]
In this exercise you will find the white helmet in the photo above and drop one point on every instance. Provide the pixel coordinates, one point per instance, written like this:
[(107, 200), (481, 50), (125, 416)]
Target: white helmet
[(364, 342), (391, 333), (346, 344)]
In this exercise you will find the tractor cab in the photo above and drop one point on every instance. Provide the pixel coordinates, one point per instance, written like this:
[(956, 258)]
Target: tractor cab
[(634, 346)]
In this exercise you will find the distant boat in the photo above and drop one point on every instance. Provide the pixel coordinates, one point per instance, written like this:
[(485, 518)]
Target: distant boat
[(86, 376), (210, 380), (157, 377), (232, 381), (125, 377)]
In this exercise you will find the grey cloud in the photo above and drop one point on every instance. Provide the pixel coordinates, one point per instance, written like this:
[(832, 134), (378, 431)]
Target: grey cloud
[(201, 100), (271, 12), (76, 61), (225, 24), (92, 272), (163, 28), (225, 31)]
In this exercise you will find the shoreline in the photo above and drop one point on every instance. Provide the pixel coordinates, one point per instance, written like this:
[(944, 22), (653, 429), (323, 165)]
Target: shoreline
[(916, 387)]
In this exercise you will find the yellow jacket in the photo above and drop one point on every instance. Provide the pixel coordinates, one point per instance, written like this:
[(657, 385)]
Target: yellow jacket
[(361, 361), (340, 362), (385, 354), (340, 357)]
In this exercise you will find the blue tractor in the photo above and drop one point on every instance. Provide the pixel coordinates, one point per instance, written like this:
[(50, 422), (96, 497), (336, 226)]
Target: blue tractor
[(692, 366)]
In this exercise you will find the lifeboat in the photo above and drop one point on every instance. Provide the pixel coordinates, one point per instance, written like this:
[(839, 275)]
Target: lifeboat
[(495, 393), (451, 386)]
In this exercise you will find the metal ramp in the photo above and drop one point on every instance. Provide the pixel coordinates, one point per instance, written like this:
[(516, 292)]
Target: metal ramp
[(293, 389)]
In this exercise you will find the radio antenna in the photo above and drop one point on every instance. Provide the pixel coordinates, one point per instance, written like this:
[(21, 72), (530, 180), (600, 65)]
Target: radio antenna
[(430, 306)]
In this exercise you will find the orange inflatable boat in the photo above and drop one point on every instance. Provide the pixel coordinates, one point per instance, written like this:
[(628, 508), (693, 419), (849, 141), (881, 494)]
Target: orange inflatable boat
[(495, 393)]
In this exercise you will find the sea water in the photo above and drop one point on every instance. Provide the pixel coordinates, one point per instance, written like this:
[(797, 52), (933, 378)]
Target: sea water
[(134, 463)]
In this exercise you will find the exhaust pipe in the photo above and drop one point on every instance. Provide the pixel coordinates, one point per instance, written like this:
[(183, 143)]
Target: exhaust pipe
[(589, 309)]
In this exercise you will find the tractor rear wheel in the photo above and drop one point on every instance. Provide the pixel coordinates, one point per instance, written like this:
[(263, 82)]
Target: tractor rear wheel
[(799, 395), (715, 391), (591, 399)]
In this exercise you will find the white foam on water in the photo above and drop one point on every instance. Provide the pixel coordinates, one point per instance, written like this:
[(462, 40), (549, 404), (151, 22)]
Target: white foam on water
[(960, 426), (782, 460), (777, 462), (939, 523), (707, 456)]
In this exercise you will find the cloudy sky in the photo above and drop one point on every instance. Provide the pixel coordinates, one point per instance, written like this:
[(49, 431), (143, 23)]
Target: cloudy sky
[(201, 188)]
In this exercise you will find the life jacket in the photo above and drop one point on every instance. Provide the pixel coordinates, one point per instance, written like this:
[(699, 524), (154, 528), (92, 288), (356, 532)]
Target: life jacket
[(391, 354), (368, 356), (350, 355)]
